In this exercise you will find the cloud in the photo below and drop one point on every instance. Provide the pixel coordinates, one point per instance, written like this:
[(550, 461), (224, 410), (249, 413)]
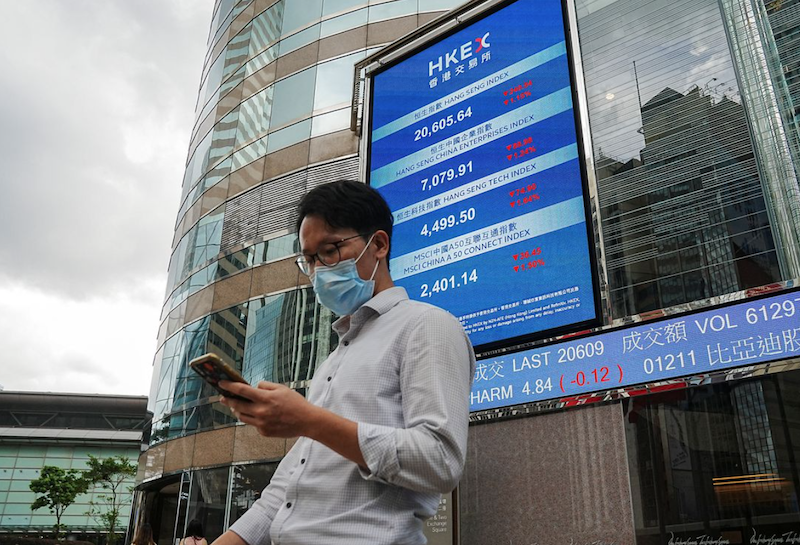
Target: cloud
[(98, 345), (97, 108)]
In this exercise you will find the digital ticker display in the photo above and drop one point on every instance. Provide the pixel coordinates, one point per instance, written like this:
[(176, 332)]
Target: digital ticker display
[(740, 335), (474, 143)]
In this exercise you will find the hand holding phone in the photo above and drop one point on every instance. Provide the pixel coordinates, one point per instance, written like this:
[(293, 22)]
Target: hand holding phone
[(213, 370)]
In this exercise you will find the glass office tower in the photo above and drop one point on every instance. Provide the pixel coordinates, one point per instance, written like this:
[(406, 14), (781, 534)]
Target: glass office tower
[(693, 115)]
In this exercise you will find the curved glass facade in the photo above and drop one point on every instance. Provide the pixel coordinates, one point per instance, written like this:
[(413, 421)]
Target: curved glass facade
[(278, 338), (277, 74)]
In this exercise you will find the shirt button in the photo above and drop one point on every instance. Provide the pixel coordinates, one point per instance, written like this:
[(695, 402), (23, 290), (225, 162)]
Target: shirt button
[(346, 343), (289, 504), (303, 461), (329, 379)]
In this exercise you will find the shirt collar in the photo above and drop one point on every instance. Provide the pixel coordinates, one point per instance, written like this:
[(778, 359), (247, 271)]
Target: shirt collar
[(386, 300), (380, 304)]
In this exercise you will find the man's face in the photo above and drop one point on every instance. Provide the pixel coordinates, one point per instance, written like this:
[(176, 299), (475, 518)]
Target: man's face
[(315, 233)]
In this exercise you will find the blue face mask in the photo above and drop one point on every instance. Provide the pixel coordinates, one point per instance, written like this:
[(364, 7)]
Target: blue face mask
[(340, 288)]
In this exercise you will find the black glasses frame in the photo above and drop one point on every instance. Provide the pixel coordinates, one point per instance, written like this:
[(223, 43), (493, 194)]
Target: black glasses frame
[(306, 263)]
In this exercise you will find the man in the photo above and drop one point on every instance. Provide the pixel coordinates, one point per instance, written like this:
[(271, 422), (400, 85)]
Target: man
[(384, 430)]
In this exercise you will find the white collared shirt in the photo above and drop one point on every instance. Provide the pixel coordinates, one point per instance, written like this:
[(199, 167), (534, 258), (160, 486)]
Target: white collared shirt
[(402, 371)]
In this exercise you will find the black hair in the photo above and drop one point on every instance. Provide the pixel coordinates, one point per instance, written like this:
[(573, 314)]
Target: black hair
[(144, 535), (194, 529), (346, 204)]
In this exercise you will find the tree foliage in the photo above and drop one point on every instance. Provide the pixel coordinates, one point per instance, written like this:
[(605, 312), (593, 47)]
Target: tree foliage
[(110, 475), (57, 489)]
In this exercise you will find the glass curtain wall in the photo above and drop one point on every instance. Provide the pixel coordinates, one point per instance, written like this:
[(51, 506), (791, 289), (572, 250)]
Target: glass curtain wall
[(679, 180), (246, 110), (278, 338), (216, 497), (22, 463), (717, 461), (763, 35)]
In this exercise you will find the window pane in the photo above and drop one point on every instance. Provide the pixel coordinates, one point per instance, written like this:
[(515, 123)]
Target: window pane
[(299, 14), (221, 14), (431, 5), (287, 336), (30, 463), (281, 247), (354, 19), (390, 10), (330, 122), (261, 60), (248, 483), (337, 6), (294, 97), (249, 154), (296, 41), (334, 85), (212, 82), (266, 29), (8, 450), (288, 136), (207, 501), (715, 460), (254, 117), (226, 334), (236, 52), (223, 138)]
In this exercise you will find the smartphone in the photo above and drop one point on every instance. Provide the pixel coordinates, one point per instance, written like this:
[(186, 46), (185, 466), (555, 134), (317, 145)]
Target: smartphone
[(213, 369)]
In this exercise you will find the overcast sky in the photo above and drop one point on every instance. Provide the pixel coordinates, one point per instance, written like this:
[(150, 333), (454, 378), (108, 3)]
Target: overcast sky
[(96, 108)]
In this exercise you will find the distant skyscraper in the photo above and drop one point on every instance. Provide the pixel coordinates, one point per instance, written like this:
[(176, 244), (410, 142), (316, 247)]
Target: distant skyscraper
[(680, 192), (686, 220)]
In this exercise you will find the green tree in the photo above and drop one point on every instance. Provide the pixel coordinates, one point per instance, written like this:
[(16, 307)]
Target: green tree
[(110, 474), (58, 489)]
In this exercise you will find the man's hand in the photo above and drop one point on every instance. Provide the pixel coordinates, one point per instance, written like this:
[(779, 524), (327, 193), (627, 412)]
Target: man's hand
[(278, 411), (274, 409)]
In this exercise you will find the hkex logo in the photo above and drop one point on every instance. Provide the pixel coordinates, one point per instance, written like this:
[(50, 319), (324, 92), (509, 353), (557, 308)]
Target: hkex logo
[(457, 55)]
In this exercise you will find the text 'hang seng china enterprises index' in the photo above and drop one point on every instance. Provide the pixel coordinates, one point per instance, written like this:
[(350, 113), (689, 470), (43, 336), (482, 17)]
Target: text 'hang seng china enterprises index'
[(474, 144)]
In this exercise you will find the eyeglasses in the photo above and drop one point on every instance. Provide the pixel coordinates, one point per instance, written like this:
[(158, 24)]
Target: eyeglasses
[(327, 253)]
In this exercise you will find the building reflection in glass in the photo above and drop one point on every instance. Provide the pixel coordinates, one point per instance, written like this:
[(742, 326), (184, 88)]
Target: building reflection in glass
[(204, 494), (279, 338), (717, 460), (208, 499), (288, 335), (248, 481), (681, 201)]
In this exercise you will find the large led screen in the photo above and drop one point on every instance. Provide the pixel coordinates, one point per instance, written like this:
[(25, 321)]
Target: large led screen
[(735, 336), (474, 143)]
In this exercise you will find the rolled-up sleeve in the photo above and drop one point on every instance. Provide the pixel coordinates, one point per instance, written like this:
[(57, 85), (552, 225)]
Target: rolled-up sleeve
[(428, 454)]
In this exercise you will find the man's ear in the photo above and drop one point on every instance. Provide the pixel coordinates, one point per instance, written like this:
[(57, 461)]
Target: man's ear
[(381, 241)]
